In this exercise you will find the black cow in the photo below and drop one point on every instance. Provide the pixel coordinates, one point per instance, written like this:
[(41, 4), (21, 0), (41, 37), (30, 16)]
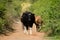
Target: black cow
[(28, 19)]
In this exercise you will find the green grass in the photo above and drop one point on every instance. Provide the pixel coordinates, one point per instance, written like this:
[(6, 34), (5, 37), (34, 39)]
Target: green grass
[(54, 38), (50, 12)]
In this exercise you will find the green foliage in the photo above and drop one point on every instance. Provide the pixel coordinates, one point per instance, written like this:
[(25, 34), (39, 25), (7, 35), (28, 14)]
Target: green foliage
[(50, 12), (14, 8), (2, 9), (1, 24), (9, 12), (5, 17)]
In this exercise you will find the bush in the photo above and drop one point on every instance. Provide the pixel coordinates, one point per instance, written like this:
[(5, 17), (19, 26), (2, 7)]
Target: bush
[(50, 12), (3, 21)]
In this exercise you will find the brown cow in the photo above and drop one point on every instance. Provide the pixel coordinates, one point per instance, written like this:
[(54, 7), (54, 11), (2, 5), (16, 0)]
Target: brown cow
[(38, 22)]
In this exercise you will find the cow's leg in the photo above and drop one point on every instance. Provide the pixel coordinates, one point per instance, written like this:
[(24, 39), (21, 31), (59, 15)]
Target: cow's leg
[(25, 30), (37, 27), (30, 30)]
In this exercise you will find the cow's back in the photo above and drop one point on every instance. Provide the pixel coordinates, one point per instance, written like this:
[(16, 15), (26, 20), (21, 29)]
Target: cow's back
[(28, 18)]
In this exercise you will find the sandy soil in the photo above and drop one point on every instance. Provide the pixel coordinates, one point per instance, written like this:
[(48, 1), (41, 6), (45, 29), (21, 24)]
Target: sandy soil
[(19, 35)]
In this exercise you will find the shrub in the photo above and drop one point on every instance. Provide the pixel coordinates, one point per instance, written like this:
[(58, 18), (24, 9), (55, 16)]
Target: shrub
[(50, 12)]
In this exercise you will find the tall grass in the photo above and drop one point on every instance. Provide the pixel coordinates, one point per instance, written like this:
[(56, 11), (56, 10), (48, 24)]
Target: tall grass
[(9, 11), (50, 12)]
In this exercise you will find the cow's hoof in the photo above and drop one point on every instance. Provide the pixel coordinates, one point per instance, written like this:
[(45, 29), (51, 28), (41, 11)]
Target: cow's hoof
[(25, 32)]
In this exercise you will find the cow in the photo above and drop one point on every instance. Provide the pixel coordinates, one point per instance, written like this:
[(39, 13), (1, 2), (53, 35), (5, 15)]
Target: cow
[(38, 22), (27, 20)]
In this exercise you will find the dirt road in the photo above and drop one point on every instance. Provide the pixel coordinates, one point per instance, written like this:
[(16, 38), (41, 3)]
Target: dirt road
[(19, 35)]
